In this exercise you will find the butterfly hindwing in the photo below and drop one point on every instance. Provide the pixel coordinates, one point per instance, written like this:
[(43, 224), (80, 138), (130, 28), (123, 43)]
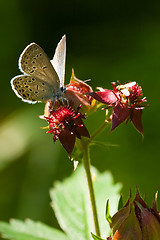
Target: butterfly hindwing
[(32, 89)]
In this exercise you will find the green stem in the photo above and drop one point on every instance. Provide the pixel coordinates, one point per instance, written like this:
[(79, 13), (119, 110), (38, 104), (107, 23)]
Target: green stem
[(86, 163), (100, 129)]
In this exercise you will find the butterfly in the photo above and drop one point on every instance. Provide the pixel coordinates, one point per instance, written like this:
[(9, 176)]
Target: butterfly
[(42, 79)]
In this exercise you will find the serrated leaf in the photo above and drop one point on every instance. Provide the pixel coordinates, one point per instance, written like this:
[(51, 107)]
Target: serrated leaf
[(30, 230), (70, 201), (96, 237)]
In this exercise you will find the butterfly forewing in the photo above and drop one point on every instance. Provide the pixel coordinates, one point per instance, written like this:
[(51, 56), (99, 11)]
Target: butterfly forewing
[(34, 62), (32, 89), (59, 60)]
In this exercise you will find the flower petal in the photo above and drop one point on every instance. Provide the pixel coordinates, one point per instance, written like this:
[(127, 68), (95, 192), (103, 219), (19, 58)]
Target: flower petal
[(107, 96), (78, 99), (120, 113), (136, 119), (75, 93), (81, 130), (67, 140)]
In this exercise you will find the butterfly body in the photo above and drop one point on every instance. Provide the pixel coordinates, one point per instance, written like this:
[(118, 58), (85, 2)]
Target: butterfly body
[(40, 82)]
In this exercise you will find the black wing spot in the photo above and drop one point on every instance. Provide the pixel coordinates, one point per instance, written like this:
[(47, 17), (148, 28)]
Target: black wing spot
[(25, 95), (32, 71), (29, 81), (24, 83), (40, 54), (43, 83), (44, 67), (26, 86), (26, 62), (33, 61), (35, 92), (30, 90), (33, 79), (34, 67)]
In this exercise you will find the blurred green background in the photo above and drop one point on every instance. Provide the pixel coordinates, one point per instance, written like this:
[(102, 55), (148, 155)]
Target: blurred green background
[(106, 41)]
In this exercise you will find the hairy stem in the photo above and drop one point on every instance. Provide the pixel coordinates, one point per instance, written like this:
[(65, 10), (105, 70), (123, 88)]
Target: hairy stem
[(86, 163)]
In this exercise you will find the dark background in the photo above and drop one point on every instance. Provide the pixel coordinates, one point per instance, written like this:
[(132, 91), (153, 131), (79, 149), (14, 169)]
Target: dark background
[(106, 41)]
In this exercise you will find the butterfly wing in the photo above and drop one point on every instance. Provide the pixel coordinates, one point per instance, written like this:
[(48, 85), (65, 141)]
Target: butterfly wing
[(31, 89), (34, 62), (59, 60)]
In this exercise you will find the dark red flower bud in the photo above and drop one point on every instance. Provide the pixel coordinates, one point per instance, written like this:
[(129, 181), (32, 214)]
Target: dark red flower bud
[(136, 221)]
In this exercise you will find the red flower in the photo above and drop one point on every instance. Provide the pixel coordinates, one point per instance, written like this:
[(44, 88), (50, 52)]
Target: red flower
[(66, 124), (126, 101)]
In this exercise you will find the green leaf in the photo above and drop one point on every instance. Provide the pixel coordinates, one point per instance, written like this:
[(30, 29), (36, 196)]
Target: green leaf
[(30, 230), (120, 203), (103, 144), (96, 237), (108, 216), (70, 201)]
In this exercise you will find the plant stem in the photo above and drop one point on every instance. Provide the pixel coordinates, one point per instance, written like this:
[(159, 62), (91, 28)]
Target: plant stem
[(86, 163), (100, 129)]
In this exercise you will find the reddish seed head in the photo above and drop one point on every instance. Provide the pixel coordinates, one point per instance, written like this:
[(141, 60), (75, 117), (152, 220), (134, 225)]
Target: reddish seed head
[(66, 124)]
